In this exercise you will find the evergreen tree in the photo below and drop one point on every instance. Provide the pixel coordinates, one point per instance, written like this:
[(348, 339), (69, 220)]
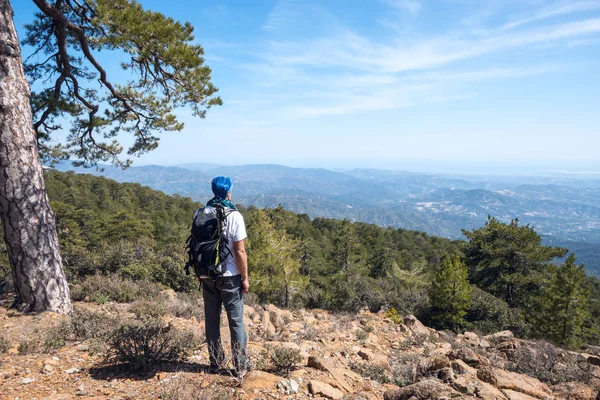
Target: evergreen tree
[(450, 294), (508, 260), (167, 71), (274, 268), (567, 303)]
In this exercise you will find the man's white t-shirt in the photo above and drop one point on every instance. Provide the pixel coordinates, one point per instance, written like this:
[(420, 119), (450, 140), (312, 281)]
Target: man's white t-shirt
[(235, 230)]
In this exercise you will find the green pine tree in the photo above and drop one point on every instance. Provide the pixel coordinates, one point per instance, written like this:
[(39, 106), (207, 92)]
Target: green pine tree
[(508, 260), (273, 265), (450, 294), (567, 305)]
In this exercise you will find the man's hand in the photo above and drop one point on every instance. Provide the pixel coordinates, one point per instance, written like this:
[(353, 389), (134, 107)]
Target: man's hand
[(245, 286)]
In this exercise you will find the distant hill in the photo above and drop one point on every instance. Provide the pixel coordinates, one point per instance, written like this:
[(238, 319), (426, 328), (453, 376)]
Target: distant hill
[(563, 209)]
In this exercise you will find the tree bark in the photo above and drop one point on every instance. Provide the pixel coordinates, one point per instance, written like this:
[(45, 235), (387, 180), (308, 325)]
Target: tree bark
[(27, 219)]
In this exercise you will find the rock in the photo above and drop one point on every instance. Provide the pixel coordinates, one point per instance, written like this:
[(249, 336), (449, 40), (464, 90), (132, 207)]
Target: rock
[(13, 351), (317, 388), (484, 344), (446, 375), (502, 335), (415, 325), (593, 360), (470, 385), (260, 380), (573, 391), (71, 371), (249, 311), (47, 369), (27, 381), (469, 356), (432, 364), (512, 395), (360, 396), (462, 368), (83, 347), (81, 391), (294, 386), (316, 362), (506, 380), (425, 389), (471, 337), (52, 361)]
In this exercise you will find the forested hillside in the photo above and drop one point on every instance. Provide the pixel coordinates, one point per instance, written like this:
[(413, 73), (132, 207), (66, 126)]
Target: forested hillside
[(501, 278)]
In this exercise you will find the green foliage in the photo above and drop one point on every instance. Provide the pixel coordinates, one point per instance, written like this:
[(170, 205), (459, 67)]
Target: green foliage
[(4, 345), (57, 336), (508, 260), (164, 64), (101, 288), (450, 294), (91, 325), (566, 305), (143, 343), (375, 372), (394, 315), (273, 262), (28, 346), (281, 359), (488, 314), (149, 309)]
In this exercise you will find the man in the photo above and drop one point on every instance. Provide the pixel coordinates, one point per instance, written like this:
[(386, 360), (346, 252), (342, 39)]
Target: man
[(227, 289)]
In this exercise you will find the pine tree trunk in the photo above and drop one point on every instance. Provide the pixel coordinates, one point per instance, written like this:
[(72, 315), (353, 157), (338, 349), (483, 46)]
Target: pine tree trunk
[(27, 219)]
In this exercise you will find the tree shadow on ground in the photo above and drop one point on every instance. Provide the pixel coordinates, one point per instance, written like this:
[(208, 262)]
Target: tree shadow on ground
[(125, 371)]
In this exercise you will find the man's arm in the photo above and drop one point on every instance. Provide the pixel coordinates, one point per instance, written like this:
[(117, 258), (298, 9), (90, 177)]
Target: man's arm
[(241, 261)]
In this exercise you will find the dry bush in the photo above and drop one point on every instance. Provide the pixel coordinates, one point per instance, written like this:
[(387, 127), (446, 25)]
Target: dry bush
[(104, 288), (187, 306), (143, 343), (91, 325), (404, 368), (374, 372), (28, 346), (4, 345), (180, 390), (149, 310), (550, 364), (57, 336), (279, 359)]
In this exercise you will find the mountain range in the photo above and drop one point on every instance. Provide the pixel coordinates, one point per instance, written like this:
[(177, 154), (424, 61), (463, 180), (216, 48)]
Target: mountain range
[(564, 209)]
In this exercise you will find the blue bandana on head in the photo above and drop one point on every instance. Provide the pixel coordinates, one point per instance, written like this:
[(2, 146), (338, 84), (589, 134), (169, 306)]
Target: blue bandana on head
[(221, 186)]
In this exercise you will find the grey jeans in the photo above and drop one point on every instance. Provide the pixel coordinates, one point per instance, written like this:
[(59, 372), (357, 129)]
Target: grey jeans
[(226, 291)]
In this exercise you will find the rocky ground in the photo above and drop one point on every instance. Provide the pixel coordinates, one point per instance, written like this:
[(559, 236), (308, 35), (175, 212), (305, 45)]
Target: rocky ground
[(363, 356)]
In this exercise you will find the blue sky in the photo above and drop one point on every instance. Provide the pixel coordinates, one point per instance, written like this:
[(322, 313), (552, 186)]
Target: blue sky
[(446, 86)]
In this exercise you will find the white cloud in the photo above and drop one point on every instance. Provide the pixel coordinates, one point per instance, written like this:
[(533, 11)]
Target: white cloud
[(557, 9)]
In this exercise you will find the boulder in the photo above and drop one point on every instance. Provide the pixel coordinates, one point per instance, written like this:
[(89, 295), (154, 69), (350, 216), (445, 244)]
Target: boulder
[(502, 335), (462, 368), (425, 389), (317, 388), (470, 385), (573, 391), (416, 326), (506, 380), (512, 395), (429, 365), (469, 356)]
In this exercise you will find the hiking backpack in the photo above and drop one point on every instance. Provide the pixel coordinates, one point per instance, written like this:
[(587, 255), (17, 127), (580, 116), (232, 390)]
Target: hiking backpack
[(207, 246)]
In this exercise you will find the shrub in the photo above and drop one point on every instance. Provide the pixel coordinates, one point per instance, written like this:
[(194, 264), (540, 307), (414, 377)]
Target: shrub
[(149, 310), (91, 325), (404, 368), (374, 372), (28, 346), (361, 335), (489, 314), (57, 336), (394, 315), (280, 359), (4, 345), (143, 343), (102, 288), (550, 364), (187, 306), (179, 389)]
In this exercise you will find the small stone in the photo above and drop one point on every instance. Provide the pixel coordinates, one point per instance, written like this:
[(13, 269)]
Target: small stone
[(83, 347), (81, 391), (294, 386), (27, 381), (48, 369), (71, 371)]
